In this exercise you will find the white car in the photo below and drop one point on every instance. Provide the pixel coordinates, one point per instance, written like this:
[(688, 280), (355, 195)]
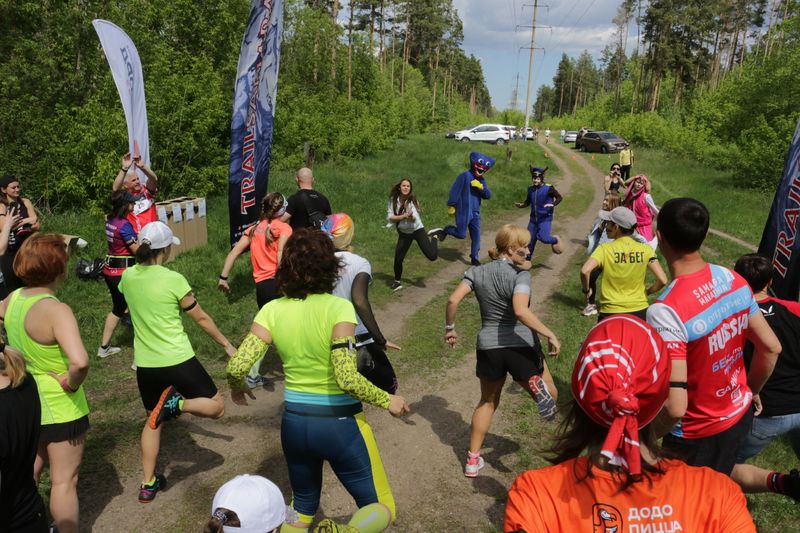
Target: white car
[(571, 137), (530, 134), (493, 133)]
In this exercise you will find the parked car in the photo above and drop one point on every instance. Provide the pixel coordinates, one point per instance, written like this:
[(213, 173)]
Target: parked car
[(512, 131), (449, 135), (494, 133), (600, 141), (530, 134), (571, 137)]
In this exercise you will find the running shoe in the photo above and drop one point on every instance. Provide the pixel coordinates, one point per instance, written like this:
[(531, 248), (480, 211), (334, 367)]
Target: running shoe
[(256, 382), (589, 310), (329, 526), (147, 493), (472, 466), (102, 353), (167, 408), (791, 484), (438, 233), (545, 401), (475, 263), (396, 286)]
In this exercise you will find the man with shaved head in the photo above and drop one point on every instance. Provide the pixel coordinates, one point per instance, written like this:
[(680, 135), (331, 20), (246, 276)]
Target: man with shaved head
[(307, 208), (144, 207)]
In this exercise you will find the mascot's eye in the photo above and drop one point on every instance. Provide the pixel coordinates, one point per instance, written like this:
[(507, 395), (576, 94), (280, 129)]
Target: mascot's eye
[(480, 161)]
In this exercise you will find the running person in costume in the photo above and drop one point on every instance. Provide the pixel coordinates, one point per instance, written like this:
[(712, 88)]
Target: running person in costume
[(620, 381), (542, 199), (13, 203), (121, 238), (508, 341), (466, 194), (46, 332), (171, 380), (403, 213), (323, 420), (355, 275), (265, 242), (639, 200)]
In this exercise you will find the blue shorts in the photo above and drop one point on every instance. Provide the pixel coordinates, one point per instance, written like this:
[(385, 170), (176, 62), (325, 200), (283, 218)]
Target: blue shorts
[(347, 444)]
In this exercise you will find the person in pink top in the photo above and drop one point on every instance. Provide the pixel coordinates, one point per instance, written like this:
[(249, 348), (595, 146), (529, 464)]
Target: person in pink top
[(265, 241), (638, 200)]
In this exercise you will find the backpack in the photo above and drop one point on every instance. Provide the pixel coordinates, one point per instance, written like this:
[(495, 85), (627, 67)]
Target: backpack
[(90, 270), (315, 218)]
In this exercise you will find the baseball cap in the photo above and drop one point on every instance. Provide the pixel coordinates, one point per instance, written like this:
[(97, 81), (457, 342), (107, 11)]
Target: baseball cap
[(621, 216), (621, 381), (157, 235), (340, 228), (257, 502), (118, 200)]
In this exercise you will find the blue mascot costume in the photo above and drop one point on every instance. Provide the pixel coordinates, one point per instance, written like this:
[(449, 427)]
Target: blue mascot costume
[(466, 195), (542, 198)]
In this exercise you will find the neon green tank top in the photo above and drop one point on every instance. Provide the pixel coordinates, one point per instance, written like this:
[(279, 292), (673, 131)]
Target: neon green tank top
[(57, 406)]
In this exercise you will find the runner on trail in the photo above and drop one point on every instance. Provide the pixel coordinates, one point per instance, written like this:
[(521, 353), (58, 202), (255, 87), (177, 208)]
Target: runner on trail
[(355, 275), (13, 203), (265, 241), (403, 212), (542, 199), (507, 342), (121, 239), (464, 203), (323, 420), (46, 332), (613, 182), (639, 200), (21, 506), (144, 210), (171, 379), (598, 235), (608, 473), (547, 136)]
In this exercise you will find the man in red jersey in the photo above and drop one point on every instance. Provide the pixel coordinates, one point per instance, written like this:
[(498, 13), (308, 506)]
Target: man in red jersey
[(144, 208)]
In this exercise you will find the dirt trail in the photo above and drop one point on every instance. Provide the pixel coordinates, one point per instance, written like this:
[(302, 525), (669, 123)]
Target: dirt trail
[(423, 454)]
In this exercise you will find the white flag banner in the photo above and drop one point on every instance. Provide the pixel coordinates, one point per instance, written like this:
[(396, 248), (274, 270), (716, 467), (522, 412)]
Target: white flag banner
[(123, 58)]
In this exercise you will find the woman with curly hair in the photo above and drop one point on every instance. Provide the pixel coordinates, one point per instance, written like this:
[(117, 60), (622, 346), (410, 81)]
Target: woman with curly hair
[(639, 200), (323, 419), (403, 213), (265, 241)]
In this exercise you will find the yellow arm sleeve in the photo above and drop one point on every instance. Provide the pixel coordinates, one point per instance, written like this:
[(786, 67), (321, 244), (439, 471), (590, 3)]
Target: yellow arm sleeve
[(251, 350), (343, 357)]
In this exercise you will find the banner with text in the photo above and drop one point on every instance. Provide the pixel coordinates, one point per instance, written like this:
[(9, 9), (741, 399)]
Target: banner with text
[(126, 69), (253, 114), (780, 240)]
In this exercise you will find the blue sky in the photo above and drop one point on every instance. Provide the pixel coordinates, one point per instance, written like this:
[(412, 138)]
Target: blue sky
[(490, 35)]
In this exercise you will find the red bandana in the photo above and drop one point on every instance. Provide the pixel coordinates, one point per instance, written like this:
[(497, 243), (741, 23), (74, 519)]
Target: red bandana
[(621, 380)]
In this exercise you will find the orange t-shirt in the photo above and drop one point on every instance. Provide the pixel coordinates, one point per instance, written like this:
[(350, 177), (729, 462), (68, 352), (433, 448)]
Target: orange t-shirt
[(263, 252), (684, 498)]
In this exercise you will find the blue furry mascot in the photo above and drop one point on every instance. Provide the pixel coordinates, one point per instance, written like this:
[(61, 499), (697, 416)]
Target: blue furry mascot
[(542, 198), (465, 202)]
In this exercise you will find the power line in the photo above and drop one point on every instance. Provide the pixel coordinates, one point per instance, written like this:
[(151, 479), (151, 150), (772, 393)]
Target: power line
[(585, 11)]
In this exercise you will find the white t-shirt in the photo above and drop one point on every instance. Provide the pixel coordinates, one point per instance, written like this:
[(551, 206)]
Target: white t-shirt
[(353, 266), (405, 225)]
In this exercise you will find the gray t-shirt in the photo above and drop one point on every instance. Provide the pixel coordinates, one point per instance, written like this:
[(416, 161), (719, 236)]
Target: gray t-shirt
[(352, 265), (495, 284)]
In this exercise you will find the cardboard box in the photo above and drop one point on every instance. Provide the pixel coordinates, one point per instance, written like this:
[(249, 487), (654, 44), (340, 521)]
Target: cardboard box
[(169, 212), (186, 217)]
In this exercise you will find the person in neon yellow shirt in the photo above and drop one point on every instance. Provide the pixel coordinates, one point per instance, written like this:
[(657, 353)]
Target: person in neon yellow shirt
[(625, 262)]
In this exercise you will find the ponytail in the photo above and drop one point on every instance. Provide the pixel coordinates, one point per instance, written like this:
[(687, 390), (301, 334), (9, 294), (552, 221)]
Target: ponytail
[(12, 364), (221, 517), (144, 253), (493, 253)]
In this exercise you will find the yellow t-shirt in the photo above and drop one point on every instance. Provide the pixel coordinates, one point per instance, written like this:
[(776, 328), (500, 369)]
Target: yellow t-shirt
[(622, 286), (625, 156)]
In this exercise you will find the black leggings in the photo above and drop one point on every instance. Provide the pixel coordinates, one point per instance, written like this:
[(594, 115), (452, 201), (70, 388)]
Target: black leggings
[(428, 245), (593, 284), (266, 291)]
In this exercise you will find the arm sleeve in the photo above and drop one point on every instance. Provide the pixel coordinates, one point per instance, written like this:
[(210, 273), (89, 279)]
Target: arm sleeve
[(735, 516), (527, 201), (291, 204), (598, 255), (127, 233), (469, 278), (651, 204), (793, 307), (250, 350), (327, 210), (522, 284), (667, 323), (343, 359), (180, 287), (555, 195), (523, 513), (359, 295)]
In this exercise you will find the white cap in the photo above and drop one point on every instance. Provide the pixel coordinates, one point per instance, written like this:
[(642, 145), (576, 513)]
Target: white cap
[(158, 235), (257, 502)]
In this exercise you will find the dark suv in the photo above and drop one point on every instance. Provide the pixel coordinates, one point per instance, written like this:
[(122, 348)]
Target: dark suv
[(600, 141)]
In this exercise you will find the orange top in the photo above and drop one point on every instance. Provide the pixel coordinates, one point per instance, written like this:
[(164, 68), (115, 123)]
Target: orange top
[(684, 498), (263, 252)]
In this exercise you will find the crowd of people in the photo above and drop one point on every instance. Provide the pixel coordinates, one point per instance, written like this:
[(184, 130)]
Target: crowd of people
[(697, 369)]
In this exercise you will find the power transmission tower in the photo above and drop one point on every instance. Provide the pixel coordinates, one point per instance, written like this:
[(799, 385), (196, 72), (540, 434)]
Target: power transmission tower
[(530, 67), (515, 94)]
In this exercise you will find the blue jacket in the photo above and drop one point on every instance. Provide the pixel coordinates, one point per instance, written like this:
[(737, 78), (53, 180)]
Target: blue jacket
[(466, 198), (538, 197)]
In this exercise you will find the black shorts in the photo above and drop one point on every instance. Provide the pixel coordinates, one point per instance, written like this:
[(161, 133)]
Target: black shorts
[(641, 313), (189, 378), (717, 451), (119, 305), (266, 291), (64, 431), (522, 362)]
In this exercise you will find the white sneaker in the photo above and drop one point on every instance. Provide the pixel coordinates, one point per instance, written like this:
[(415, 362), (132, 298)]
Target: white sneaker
[(472, 466), (133, 366), (102, 353), (80, 243), (589, 310), (254, 383)]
